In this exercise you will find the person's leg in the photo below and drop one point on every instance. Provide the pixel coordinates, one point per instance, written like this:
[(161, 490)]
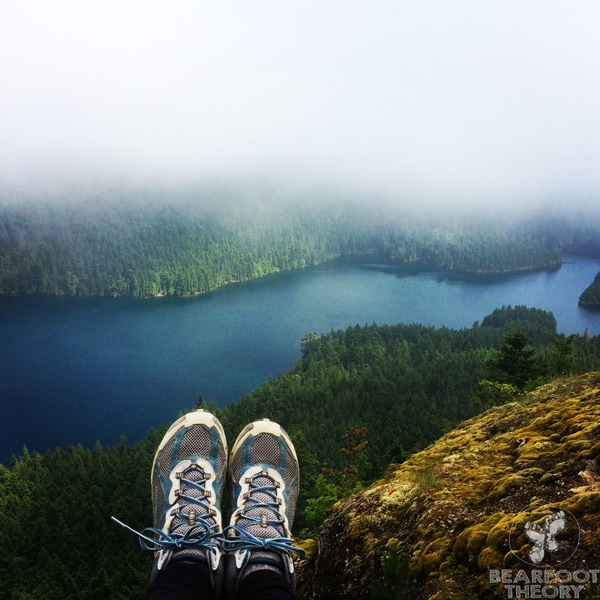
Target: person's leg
[(182, 580), (188, 476), (265, 585), (265, 477)]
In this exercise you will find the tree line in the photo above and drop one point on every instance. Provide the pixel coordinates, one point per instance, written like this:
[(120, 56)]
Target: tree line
[(358, 400), (140, 245)]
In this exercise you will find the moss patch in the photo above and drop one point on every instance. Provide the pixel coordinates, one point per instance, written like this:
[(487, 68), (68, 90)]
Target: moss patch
[(458, 508)]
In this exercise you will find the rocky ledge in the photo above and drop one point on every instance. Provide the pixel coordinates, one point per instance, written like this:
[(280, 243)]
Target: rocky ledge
[(470, 516)]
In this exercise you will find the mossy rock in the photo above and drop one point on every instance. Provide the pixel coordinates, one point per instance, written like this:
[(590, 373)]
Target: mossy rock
[(507, 485), (432, 556), (452, 508)]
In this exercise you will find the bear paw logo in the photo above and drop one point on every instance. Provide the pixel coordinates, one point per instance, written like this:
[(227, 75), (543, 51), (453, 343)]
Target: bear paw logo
[(543, 537), (548, 536)]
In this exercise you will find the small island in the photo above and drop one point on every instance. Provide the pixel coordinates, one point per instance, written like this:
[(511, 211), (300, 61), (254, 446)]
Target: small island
[(590, 298)]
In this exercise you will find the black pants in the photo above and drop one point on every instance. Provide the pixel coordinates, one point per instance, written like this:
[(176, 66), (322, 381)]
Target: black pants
[(190, 581)]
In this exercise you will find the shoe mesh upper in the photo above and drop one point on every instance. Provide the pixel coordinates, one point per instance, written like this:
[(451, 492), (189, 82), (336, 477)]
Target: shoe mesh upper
[(267, 449), (196, 441), (291, 469), (164, 458), (186, 443)]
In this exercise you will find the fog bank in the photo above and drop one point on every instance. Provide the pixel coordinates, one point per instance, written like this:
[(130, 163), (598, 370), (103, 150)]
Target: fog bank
[(436, 101)]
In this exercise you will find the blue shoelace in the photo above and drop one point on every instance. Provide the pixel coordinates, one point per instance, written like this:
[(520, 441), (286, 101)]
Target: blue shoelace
[(200, 534), (244, 540)]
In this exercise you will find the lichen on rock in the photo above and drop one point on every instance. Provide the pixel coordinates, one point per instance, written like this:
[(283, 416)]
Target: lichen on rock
[(458, 509)]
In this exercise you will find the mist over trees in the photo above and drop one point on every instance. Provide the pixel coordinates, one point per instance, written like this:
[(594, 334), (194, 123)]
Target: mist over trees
[(149, 243)]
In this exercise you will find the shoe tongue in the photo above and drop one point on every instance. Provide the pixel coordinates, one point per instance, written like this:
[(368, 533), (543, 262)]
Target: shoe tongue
[(262, 480), (258, 520), (188, 508), (197, 476)]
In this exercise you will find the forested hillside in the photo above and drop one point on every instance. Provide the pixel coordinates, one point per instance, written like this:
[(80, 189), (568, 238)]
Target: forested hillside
[(591, 295), (358, 400), (437, 526), (139, 244), (364, 397)]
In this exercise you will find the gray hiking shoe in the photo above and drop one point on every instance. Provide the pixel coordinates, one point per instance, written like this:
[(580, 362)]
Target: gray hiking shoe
[(265, 478), (188, 476)]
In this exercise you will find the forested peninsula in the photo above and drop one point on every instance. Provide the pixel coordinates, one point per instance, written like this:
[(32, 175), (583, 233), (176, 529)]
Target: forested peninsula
[(145, 243), (590, 297)]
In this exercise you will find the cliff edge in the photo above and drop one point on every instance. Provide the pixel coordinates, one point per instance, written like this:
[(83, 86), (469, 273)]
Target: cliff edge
[(506, 505)]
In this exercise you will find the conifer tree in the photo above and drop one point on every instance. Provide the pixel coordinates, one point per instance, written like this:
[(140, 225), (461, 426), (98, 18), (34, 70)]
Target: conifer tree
[(514, 362)]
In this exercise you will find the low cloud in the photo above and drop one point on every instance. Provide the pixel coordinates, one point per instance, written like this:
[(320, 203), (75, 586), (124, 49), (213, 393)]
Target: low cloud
[(482, 103)]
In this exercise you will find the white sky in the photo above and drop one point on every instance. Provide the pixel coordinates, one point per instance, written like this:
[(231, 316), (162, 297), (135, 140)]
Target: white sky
[(481, 100)]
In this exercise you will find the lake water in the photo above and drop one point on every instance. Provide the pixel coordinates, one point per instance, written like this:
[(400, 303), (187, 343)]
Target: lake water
[(85, 369)]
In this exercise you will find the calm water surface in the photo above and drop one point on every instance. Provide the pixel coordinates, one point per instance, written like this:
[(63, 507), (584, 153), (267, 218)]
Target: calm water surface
[(80, 370)]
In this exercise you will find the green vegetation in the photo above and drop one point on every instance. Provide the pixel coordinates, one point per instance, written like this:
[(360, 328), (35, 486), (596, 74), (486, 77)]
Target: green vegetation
[(591, 295), (513, 363), (394, 582), (402, 386), (147, 243), (357, 401), (57, 540), (514, 463)]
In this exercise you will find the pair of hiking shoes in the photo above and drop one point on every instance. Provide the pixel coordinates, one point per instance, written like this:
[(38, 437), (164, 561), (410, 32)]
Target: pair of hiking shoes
[(189, 474)]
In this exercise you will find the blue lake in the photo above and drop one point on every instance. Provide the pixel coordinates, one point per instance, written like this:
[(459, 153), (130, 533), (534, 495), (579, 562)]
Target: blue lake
[(85, 369)]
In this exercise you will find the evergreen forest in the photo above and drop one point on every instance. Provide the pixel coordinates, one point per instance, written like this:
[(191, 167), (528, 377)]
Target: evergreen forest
[(591, 295), (145, 242), (358, 400)]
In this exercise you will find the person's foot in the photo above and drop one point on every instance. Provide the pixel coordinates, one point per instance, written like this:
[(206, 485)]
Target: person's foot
[(188, 475), (265, 476)]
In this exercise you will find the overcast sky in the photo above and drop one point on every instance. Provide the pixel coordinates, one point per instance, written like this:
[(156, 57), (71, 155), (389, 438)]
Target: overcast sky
[(481, 100)]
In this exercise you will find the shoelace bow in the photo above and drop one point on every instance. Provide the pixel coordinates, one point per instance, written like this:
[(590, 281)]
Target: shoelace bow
[(242, 539), (201, 534)]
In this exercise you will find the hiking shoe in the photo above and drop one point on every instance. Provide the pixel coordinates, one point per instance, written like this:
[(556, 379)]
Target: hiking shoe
[(188, 475), (265, 477)]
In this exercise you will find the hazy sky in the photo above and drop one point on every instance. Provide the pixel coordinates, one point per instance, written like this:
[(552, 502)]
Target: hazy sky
[(448, 99)]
